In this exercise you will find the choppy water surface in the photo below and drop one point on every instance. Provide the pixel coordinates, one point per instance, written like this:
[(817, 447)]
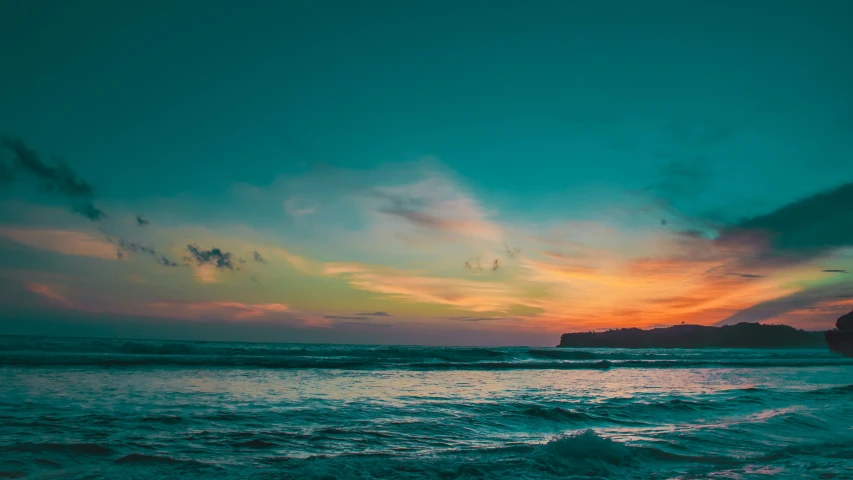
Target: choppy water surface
[(86, 408)]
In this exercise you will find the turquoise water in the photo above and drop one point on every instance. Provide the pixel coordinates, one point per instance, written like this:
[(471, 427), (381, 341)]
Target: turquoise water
[(87, 408)]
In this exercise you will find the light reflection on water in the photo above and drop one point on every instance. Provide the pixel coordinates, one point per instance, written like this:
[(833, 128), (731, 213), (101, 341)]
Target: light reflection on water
[(448, 423)]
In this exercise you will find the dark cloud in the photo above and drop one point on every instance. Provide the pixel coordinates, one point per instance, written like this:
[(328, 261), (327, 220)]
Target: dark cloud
[(141, 221), (339, 317), (803, 300), (258, 258), (57, 179), (744, 275), (474, 266), (813, 224), (797, 232), (214, 256), (166, 262), (834, 270), (135, 247), (376, 314)]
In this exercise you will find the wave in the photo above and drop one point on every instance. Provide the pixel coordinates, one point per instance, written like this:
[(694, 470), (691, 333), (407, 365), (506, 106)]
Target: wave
[(565, 354), (71, 448), (588, 445), (839, 390), (380, 363), (141, 458), (557, 414), (217, 349)]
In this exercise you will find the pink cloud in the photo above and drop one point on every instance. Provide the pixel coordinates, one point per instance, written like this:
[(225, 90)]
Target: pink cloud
[(49, 292), (230, 310), (67, 242)]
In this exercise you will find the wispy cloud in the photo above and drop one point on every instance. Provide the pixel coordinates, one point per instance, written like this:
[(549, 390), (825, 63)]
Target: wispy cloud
[(476, 319), (57, 179), (136, 247), (258, 257), (291, 208), (344, 317), (67, 242), (49, 292), (232, 310), (437, 205), (475, 296)]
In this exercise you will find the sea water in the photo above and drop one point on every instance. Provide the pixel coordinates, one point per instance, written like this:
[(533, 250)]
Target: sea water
[(91, 408)]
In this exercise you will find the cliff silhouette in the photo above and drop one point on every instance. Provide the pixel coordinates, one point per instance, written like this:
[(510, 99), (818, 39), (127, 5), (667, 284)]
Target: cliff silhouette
[(840, 339), (741, 335)]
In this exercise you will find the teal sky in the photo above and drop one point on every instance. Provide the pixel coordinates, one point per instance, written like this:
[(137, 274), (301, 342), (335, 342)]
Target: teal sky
[(276, 124)]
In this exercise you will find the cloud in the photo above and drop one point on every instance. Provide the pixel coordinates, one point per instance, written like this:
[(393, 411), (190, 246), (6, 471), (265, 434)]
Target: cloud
[(375, 314), (67, 242), (475, 296), (166, 262), (49, 292), (291, 209), (475, 319), (799, 300), (834, 270), (437, 205), (141, 221), (661, 279), (135, 247), (58, 179), (340, 317), (214, 257), (258, 258), (803, 229), (230, 310), (363, 325)]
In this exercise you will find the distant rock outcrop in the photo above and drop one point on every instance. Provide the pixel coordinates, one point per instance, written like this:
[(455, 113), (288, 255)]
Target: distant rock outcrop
[(840, 339), (742, 335)]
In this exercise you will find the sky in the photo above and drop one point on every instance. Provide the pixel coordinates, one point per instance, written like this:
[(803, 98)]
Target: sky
[(460, 173)]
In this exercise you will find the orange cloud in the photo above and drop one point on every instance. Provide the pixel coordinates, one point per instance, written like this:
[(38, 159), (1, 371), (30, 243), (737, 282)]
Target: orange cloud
[(469, 295), (684, 281)]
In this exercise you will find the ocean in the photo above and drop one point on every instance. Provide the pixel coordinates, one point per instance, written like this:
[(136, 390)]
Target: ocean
[(94, 408)]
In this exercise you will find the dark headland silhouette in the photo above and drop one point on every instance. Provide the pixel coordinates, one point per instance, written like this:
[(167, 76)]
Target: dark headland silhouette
[(741, 335), (840, 339)]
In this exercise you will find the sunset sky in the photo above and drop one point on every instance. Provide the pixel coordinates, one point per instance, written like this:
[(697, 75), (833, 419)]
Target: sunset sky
[(322, 171)]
